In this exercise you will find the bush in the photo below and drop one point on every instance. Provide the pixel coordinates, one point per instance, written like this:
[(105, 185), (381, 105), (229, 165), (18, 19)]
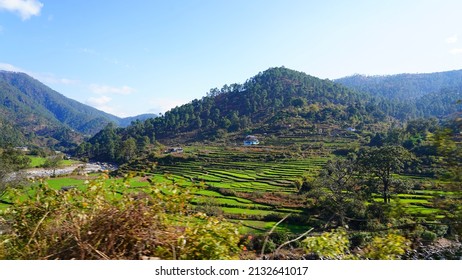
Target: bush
[(359, 239), (389, 247), (329, 245), (112, 223), (428, 236), (209, 238)]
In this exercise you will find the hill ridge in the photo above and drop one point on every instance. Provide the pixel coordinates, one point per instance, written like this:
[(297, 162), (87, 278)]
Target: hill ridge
[(32, 112)]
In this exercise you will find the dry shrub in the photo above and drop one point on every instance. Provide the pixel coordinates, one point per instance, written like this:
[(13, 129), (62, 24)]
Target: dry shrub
[(101, 223)]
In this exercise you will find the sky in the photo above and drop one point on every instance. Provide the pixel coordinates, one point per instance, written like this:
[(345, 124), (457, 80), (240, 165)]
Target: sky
[(147, 56)]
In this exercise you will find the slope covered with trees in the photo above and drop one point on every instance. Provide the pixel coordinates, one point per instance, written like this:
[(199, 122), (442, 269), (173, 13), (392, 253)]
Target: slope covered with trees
[(32, 94), (31, 112), (413, 95), (404, 86)]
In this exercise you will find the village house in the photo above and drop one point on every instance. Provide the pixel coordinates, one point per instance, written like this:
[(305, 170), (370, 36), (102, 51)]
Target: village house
[(174, 150), (251, 140)]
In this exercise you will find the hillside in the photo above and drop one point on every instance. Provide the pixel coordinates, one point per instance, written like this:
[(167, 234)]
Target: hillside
[(273, 100), (33, 112), (404, 86), (276, 102), (413, 95)]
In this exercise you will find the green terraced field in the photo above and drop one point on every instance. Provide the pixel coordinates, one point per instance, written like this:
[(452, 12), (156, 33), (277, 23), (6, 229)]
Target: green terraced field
[(251, 184)]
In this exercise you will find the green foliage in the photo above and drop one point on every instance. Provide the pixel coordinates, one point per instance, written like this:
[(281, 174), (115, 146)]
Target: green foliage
[(11, 160), (336, 245), (209, 238), (449, 146), (338, 193), (53, 162), (428, 236), (329, 245), (388, 247), (118, 145), (115, 222), (382, 162)]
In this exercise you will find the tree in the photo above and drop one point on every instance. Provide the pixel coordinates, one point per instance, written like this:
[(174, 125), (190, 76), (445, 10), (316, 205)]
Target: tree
[(449, 146), (128, 149), (53, 162), (11, 161), (382, 162), (338, 192)]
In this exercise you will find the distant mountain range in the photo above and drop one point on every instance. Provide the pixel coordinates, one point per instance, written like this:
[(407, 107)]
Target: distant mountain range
[(31, 112), (404, 86), (413, 95)]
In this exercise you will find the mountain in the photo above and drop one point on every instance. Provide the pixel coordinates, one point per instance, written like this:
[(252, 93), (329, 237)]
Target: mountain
[(278, 102), (404, 86), (414, 95), (31, 112)]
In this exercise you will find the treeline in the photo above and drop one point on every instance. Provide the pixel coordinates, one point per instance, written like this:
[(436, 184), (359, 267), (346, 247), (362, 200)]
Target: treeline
[(118, 145), (404, 86)]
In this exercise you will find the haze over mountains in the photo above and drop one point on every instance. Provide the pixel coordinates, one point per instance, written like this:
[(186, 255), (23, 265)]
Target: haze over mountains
[(271, 101)]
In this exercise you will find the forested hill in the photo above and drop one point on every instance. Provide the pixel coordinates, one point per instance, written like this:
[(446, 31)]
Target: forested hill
[(404, 86), (413, 95), (272, 99), (276, 101), (31, 112)]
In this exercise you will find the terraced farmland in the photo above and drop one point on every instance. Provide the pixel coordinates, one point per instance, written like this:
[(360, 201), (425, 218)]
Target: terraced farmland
[(247, 184), (253, 185)]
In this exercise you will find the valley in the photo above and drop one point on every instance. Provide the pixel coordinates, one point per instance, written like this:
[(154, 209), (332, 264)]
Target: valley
[(326, 162)]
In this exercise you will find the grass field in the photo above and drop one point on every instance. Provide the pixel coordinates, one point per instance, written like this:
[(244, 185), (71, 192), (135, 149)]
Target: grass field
[(39, 161)]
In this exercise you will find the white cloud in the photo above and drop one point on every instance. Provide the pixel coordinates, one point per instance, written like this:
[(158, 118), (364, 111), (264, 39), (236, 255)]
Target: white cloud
[(88, 51), (104, 89), (453, 39), (42, 77), (52, 79), (9, 67), (163, 104), (25, 8), (456, 51), (98, 101), (103, 103)]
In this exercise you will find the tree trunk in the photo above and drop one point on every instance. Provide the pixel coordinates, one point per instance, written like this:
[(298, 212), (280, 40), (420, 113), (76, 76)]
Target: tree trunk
[(386, 198)]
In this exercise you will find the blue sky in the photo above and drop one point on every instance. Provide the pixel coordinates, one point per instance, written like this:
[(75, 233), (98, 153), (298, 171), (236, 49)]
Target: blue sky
[(132, 57)]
